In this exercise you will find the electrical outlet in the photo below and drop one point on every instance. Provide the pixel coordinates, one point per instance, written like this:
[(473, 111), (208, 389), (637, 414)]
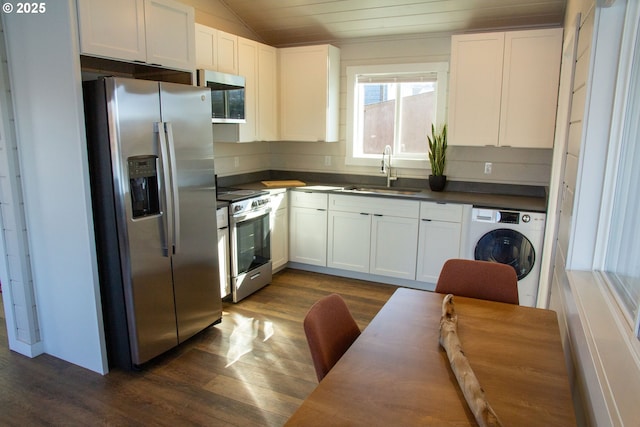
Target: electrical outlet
[(487, 168), (236, 162), (327, 160)]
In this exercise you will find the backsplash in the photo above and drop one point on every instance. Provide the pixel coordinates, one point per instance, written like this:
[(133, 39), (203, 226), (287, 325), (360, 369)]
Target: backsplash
[(347, 179), (509, 165)]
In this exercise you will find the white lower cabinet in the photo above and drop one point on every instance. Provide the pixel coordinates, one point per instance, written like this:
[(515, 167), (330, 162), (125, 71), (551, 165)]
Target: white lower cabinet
[(349, 241), (279, 236), (393, 246), (440, 238), (308, 228), (223, 251), (373, 235)]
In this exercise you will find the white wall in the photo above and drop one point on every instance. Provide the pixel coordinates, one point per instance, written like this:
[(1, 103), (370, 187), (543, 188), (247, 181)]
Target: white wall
[(23, 329), (47, 94)]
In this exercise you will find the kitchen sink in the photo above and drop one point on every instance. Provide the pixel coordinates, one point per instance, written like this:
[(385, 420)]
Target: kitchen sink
[(380, 190), (321, 187)]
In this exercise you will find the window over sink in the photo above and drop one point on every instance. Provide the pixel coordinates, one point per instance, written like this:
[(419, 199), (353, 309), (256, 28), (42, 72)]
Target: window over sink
[(395, 105)]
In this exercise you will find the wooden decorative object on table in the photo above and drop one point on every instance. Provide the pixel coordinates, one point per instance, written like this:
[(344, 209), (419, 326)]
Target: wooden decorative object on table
[(473, 392)]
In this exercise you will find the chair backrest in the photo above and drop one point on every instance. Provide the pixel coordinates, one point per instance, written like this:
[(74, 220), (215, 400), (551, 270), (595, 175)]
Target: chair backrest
[(479, 279), (330, 331)]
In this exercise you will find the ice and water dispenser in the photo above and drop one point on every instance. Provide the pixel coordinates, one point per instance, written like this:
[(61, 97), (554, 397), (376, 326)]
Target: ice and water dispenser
[(143, 186)]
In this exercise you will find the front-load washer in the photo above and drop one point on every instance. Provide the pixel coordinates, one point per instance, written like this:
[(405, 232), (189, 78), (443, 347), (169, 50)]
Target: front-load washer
[(510, 237)]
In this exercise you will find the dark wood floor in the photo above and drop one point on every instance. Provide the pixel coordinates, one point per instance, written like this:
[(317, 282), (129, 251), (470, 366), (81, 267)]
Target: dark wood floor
[(253, 369)]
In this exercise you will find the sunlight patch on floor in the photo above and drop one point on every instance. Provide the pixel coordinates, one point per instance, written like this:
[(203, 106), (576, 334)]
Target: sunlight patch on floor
[(241, 339), (245, 331), (268, 330)]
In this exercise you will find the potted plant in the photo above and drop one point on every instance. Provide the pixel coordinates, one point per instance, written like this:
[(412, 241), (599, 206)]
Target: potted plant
[(437, 157)]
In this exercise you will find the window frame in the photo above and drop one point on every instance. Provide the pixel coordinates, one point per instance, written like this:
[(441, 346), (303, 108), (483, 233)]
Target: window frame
[(630, 42), (441, 69)]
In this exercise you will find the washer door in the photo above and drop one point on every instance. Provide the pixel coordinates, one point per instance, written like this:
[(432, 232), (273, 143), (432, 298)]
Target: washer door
[(507, 246)]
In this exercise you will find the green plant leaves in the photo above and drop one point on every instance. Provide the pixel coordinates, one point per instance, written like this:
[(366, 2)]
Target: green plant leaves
[(437, 150)]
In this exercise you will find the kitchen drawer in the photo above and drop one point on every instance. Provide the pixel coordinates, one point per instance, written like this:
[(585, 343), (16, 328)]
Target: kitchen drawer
[(303, 199), (375, 205), (449, 212), (279, 200)]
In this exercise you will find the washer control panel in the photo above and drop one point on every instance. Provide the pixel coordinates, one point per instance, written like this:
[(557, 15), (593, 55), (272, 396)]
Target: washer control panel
[(497, 216)]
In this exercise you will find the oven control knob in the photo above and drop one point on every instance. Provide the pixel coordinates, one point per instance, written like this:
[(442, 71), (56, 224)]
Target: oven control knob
[(237, 209), (526, 218)]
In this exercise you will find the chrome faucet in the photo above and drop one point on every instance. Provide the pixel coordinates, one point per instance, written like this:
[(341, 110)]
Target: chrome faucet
[(386, 166)]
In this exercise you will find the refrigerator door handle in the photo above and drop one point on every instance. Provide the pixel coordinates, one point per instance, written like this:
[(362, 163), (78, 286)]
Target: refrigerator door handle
[(166, 184), (174, 188)]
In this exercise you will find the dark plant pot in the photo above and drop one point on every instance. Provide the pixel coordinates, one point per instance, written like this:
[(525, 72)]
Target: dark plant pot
[(437, 182)]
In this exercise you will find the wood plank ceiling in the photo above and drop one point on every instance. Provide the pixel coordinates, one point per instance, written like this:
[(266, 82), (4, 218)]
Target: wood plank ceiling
[(290, 22)]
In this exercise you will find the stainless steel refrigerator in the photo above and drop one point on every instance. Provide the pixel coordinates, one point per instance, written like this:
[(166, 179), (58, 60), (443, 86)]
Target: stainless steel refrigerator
[(150, 155)]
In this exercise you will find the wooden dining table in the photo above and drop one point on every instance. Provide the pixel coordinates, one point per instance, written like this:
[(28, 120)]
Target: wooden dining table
[(396, 373)]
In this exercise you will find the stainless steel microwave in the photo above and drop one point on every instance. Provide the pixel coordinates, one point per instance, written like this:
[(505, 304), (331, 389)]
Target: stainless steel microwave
[(227, 96)]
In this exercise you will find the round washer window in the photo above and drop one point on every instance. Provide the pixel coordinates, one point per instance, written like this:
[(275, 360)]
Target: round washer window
[(507, 246)]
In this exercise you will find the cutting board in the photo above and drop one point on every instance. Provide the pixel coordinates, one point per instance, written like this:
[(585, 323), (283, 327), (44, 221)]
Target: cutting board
[(284, 183)]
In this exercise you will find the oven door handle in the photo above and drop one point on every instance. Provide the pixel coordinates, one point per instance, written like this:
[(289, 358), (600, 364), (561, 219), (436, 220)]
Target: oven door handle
[(235, 219)]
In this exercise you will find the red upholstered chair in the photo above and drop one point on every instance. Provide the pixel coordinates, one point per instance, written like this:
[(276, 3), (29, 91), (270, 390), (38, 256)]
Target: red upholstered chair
[(479, 279), (330, 331)]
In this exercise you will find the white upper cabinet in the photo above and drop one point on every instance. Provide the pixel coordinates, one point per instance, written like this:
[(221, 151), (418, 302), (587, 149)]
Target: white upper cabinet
[(503, 88), (257, 62), (206, 47), (169, 33), (216, 50), (248, 68), (530, 87), (475, 87), (113, 29), (309, 93), (268, 93), (157, 32), (227, 53)]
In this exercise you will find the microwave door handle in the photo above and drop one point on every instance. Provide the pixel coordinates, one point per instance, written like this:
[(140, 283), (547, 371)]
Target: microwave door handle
[(168, 216), (174, 188)]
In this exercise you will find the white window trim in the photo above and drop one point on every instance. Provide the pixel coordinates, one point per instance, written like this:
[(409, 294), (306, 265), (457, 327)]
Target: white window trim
[(623, 81), (442, 70)]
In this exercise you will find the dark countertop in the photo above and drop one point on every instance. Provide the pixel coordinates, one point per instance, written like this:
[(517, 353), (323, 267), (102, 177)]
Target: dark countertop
[(484, 200)]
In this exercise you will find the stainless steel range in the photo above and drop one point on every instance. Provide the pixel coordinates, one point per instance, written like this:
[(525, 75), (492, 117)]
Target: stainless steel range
[(250, 242)]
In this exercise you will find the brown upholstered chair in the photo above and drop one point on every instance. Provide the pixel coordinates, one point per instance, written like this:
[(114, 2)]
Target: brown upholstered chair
[(479, 279), (330, 331)]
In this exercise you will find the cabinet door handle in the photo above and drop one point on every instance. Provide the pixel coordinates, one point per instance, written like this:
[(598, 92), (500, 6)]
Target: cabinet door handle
[(378, 215), (363, 213), (426, 219)]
